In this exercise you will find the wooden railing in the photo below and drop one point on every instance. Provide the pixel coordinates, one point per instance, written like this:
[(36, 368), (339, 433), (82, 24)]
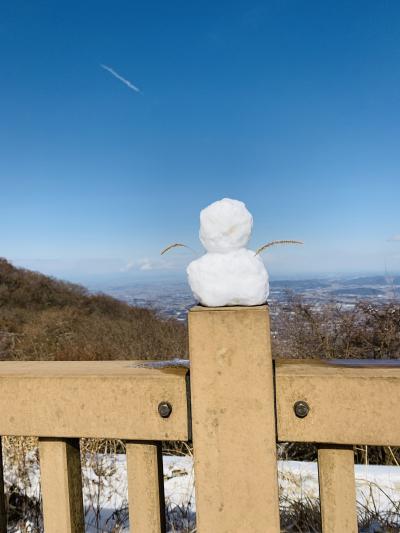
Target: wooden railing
[(236, 404)]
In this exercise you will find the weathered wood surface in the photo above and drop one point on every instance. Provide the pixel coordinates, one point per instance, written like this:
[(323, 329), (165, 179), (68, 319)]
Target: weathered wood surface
[(114, 399), (349, 403), (233, 420), (61, 485), (145, 487)]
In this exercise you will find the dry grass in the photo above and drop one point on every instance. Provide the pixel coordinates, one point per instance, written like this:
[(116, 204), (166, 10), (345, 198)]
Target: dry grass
[(367, 331), (299, 504), (274, 243), (46, 319), (172, 246)]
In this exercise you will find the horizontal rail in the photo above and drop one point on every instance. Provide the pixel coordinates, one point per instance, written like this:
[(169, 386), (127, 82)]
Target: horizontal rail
[(349, 403), (114, 399)]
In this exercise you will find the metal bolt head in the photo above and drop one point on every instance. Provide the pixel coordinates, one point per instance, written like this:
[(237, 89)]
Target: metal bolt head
[(164, 409), (301, 409)]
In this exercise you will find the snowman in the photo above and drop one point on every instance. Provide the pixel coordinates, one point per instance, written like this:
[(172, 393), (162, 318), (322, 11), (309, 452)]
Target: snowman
[(228, 273)]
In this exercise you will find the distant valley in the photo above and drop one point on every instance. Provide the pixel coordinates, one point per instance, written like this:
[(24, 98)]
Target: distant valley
[(173, 298)]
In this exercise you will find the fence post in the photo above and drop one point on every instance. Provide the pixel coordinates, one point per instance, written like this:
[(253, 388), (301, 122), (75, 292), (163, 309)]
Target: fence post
[(233, 417), (61, 483), (337, 489), (3, 514), (145, 487)]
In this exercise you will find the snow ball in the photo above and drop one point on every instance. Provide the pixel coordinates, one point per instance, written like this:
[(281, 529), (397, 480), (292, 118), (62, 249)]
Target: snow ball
[(225, 226), (234, 278)]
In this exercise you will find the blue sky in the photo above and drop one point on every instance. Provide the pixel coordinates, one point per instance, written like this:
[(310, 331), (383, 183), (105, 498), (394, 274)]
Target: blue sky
[(291, 106)]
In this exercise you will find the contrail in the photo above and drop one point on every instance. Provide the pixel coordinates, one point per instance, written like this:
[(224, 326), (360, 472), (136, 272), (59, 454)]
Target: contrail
[(120, 78)]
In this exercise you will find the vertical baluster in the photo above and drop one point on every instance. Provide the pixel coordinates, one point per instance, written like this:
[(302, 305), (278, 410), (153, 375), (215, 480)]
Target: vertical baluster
[(61, 483), (337, 489), (233, 416), (3, 514), (145, 487)]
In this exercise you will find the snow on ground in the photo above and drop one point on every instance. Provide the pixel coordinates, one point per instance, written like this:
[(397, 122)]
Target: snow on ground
[(105, 488), (112, 500), (377, 486)]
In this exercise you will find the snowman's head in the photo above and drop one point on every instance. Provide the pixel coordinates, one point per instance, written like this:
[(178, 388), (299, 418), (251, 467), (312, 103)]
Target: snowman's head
[(225, 226)]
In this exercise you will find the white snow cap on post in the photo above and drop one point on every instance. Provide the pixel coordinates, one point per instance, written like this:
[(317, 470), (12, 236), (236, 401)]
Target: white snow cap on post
[(228, 274)]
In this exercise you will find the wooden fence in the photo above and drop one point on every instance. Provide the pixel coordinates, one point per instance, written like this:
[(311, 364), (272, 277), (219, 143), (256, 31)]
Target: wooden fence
[(236, 404)]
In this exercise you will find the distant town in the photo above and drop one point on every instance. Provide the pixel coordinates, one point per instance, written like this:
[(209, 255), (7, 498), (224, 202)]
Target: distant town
[(173, 298)]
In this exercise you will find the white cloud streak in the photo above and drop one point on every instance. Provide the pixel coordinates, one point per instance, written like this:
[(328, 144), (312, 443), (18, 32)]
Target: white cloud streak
[(395, 238), (120, 78), (144, 264), (128, 267)]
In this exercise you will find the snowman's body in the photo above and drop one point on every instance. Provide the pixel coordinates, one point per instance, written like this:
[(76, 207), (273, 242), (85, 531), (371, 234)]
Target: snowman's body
[(229, 273)]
